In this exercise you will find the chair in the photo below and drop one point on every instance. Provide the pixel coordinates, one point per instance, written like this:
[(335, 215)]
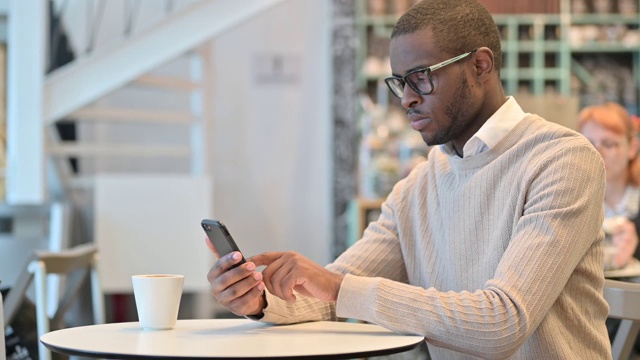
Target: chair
[(624, 304), (75, 264)]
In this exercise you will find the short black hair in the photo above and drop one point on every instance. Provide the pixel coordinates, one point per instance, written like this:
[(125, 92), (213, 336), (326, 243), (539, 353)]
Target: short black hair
[(458, 26)]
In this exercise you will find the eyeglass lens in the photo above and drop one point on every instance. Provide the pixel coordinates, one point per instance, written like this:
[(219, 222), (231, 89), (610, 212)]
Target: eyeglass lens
[(418, 81)]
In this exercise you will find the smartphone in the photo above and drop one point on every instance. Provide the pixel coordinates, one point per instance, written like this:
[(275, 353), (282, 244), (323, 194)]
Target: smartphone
[(221, 239)]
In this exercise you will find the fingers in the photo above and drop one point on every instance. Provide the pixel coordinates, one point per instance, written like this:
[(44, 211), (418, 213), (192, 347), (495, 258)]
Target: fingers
[(277, 278), (278, 266), (238, 289), (242, 297), (223, 264), (250, 303), (289, 271), (266, 259)]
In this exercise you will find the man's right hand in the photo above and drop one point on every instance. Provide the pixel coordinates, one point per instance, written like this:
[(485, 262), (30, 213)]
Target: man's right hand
[(240, 289)]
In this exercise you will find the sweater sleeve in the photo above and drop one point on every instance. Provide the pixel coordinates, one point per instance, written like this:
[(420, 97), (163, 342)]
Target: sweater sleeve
[(559, 224), (377, 254)]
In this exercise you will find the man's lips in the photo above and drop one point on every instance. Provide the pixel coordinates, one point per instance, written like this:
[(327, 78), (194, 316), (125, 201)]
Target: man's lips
[(418, 123)]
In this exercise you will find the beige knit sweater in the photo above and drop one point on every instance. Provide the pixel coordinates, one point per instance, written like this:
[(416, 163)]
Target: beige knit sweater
[(496, 256)]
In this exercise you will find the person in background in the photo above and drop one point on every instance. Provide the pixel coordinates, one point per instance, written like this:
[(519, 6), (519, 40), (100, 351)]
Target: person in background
[(612, 132), (491, 248)]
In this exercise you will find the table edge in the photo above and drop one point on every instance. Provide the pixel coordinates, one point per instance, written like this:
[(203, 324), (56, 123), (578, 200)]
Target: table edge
[(72, 352)]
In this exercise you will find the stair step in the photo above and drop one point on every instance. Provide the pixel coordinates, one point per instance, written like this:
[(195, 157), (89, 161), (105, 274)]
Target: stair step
[(71, 148), (167, 82), (134, 115)]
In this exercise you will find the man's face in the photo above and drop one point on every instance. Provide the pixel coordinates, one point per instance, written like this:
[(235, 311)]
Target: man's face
[(445, 114)]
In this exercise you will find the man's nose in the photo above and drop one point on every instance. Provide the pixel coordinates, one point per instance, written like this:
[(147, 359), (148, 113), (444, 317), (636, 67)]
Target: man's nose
[(409, 97)]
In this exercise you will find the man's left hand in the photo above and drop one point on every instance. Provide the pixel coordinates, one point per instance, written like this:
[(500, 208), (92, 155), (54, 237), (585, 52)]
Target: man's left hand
[(289, 271)]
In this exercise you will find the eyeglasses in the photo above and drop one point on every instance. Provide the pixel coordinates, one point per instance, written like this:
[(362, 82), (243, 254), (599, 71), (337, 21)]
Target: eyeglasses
[(419, 79)]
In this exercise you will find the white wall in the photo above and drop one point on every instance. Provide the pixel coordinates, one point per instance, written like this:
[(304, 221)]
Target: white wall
[(272, 141)]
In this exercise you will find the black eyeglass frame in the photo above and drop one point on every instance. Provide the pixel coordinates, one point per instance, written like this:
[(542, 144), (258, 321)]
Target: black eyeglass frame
[(427, 71)]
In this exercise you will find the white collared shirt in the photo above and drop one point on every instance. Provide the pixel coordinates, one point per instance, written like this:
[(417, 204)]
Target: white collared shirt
[(492, 131), (628, 207)]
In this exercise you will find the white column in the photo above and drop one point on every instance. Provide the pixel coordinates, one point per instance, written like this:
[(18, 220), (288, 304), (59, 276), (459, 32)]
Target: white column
[(26, 50)]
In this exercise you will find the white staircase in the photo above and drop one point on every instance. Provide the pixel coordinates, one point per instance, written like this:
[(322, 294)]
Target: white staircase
[(142, 104), (118, 135), (84, 91), (68, 89)]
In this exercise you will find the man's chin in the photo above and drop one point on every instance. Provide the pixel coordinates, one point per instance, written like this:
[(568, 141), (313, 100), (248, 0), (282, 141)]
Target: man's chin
[(431, 140)]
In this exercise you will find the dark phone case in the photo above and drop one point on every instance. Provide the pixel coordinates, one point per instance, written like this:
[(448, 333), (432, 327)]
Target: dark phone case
[(221, 238)]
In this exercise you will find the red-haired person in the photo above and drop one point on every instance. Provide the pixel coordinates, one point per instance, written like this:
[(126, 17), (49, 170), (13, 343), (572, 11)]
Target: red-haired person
[(612, 131)]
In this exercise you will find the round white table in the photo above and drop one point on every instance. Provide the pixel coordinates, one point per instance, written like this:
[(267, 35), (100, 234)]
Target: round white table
[(230, 339)]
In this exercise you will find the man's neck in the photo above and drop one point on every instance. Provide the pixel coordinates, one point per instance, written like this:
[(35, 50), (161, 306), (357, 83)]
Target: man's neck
[(455, 149)]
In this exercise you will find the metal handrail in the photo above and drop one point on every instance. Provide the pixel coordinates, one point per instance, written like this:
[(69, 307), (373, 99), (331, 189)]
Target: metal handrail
[(96, 19)]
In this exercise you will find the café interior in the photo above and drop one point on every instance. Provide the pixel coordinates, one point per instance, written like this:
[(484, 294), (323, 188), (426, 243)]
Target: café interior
[(126, 123)]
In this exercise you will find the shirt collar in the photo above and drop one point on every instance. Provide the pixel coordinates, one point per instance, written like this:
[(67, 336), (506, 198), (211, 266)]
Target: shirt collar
[(492, 131)]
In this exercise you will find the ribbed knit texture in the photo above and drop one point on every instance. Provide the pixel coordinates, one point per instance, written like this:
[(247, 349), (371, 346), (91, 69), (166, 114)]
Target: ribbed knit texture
[(498, 255)]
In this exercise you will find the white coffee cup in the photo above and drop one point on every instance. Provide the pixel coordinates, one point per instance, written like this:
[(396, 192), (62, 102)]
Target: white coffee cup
[(157, 299)]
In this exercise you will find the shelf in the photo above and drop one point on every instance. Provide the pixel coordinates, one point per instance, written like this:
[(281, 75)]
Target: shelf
[(604, 19), (527, 19), (531, 46), (603, 48), (571, 19), (532, 74)]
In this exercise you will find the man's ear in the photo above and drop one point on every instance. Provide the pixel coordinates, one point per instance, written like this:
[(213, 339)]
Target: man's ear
[(483, 63)]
